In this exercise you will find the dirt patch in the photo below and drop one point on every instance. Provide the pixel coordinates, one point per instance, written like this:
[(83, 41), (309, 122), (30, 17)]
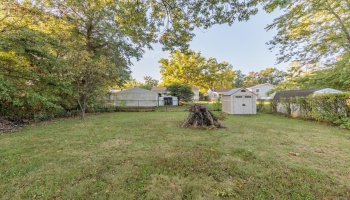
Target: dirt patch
[(8, 126)]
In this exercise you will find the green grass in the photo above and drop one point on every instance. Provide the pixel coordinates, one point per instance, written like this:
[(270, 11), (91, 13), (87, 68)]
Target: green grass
[(146, 155)]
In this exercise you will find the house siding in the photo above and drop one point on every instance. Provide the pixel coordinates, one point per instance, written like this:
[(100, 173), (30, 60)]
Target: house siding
[(263, 90)]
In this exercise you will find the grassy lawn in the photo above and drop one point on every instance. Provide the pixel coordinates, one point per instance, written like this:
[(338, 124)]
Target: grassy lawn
[(146, 155)]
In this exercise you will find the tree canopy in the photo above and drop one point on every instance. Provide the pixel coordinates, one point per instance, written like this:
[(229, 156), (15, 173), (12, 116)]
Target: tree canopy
[(63, 54), (193, 69)]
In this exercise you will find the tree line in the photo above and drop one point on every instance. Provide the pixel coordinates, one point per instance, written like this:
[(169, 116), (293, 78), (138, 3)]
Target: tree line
[(62, 55)]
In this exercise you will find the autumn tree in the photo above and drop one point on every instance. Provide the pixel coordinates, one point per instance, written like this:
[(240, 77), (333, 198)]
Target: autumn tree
[(193, 69), (86, 46)]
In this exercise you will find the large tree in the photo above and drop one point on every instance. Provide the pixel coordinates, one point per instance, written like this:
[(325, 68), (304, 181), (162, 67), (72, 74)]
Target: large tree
[(191, 68), (268, 75), (313, 32), (31, 80), (98, 37), (112, 32)]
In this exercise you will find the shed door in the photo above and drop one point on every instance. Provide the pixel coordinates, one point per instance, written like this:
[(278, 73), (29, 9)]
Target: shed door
[(243, 104), (168, 101)]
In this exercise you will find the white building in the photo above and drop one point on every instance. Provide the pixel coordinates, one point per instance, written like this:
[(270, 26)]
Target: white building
[(261, 90), (216, 94), (239, 101), (135, 97)]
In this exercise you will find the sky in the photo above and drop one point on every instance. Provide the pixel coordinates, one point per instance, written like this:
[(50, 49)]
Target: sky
[(243, 45)]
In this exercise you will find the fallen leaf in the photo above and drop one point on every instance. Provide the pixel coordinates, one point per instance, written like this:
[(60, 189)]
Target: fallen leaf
[(294, 153)]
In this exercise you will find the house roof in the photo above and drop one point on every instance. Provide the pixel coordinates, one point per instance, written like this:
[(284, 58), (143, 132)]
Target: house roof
[(231, 92), (251, 86), (287, 94), (164, 89), (158, 89), (195, 88), (113, 91), (222, 90)]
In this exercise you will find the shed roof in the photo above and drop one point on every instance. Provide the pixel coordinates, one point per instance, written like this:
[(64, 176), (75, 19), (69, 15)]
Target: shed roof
[(231, 92), (287, 94)]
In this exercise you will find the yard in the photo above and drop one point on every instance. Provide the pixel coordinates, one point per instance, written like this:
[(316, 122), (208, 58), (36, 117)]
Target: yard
[(146, 155)]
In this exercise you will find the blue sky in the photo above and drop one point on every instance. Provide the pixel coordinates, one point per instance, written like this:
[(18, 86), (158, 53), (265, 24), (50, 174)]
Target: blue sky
[(243, 45)]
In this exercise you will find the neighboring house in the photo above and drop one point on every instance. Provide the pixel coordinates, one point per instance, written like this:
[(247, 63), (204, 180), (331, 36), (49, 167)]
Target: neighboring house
[(261, 90), (160, 90), (239, 101), (195, 90), (216, 94), (164, 92), (136, 97), (292, 94)]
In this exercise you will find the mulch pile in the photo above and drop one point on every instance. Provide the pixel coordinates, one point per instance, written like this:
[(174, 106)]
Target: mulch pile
[(8, 126), (200, 116)]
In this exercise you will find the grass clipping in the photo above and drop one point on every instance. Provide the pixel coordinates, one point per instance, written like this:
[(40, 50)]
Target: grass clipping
[(200, 116)]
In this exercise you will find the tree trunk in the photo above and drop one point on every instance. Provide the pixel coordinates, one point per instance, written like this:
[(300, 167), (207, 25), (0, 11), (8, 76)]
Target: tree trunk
[(83, 105)]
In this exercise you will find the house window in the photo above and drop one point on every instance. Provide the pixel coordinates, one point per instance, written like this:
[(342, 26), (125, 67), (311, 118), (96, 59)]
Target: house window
[(242, 90), (247, 96), (257, 90), (238, 96)]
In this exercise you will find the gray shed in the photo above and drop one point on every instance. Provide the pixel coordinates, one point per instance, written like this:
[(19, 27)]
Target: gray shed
[(239, 101), (136, 97)]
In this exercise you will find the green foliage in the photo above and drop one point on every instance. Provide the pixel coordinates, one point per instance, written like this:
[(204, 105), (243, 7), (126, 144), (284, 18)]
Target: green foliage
[(238, 79), (183, 92), (329, 108), (268, 75), (57, 54), (31, 78), (314, 32), (191, 68)]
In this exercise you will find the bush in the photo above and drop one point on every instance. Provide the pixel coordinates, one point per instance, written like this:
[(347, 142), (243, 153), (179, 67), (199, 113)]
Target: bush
[(330, 108)]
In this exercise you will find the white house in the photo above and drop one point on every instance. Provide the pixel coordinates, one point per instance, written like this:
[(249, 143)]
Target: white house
[(160, 90), (216, 94), (261, 90), (292, 94), (239, 101), (195, 90), (135, 97)]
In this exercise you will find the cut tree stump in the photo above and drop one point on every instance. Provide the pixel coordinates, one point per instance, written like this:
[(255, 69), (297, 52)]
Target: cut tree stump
[(200, 116)]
